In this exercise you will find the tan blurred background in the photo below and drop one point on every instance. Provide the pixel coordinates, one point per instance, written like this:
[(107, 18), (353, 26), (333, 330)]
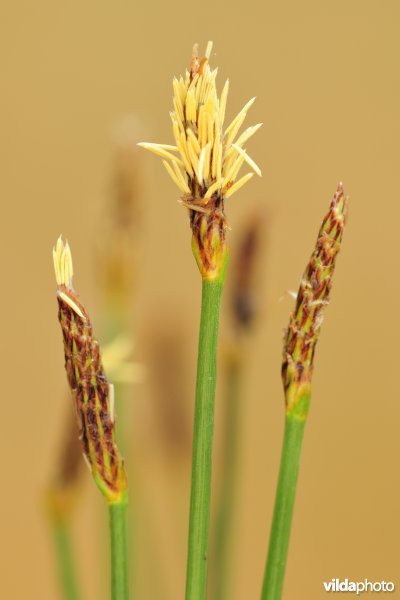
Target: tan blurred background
[(327, 80)]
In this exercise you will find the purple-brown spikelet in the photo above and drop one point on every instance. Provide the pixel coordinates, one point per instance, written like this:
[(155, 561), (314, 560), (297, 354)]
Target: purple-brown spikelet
[(243, 301), (92, 393), (312, 297)]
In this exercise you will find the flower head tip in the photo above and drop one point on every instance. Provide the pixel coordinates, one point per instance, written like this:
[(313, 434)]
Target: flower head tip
[(63, 263)]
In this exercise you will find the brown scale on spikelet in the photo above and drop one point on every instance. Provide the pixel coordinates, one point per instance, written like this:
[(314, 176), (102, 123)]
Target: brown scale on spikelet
[(92, 393), (312, 297)]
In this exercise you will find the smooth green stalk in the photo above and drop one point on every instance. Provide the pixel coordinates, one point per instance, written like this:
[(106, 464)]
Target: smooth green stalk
[(283, 511), (120, 391), (119, 570), (196, 576), (223, 529), (115, 325), (65, 559)]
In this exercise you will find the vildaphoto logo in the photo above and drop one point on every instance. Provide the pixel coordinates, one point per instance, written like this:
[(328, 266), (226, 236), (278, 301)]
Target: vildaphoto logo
[(358, 587)]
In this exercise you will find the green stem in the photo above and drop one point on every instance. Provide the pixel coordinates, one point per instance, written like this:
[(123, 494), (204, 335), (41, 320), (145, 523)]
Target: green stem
[(222, 545), (196, 575), (283, 511), (115, 324), (66, 563), (119, 571)]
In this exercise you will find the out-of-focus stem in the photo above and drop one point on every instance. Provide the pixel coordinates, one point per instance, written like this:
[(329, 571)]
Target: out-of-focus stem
[(119, 563), (196, 575), (60, 499), (245, 284), (65, 559), (115, 327), (226, 508), (283, 511)]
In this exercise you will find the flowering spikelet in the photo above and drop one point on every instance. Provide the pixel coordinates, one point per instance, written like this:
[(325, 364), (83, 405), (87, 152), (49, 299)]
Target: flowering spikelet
[(92, 393), (206, 159), (312, 297)]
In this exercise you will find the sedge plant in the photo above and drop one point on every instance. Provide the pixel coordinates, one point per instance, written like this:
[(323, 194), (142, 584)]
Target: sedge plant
[(297, 369), (94, 405), (204, 163), (116, 255)]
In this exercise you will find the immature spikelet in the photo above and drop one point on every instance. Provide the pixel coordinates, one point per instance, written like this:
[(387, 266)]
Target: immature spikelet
[(206, 159), (244, 286), (312, 297), (119, 231), (92, 393)]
